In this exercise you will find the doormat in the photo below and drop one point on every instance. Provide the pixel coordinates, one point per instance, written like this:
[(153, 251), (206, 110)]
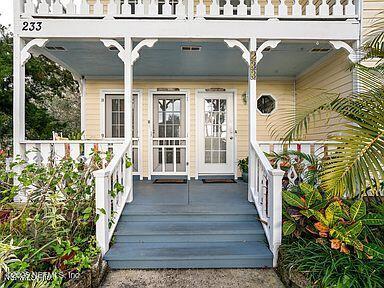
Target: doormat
[(170, 181), (218, 180)]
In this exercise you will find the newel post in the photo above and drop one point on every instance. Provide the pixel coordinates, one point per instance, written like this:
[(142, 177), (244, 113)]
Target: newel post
[(275, 212), (102, 210)]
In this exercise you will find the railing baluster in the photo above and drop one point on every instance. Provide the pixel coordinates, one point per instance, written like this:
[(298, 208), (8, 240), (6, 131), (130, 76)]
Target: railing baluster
[(255, 8), (242, 8), (167, 8), (297, 9), (269, 9), (84, 7), (126, 8), (310, 9), (324, 9), (29, 7), (283, 9), (71, 8), (350, 8), (214, 9), (98, 8), (201, 9), (57, 8), (43, 8)]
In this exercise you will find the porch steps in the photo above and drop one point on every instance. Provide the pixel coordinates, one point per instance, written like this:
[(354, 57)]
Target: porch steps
[(189, 236)]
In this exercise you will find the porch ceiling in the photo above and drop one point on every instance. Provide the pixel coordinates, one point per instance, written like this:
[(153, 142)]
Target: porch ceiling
[(93, 59)]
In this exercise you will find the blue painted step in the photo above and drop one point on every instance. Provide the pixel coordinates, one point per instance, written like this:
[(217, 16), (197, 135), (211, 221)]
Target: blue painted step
[(189, 255), (188, 213), (176, 231)]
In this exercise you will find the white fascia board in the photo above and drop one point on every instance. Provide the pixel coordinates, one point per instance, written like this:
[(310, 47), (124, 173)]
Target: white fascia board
[(214, 29)]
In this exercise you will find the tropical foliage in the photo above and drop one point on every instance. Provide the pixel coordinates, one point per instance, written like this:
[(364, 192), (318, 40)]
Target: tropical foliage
[(53, 231), (327, 267)]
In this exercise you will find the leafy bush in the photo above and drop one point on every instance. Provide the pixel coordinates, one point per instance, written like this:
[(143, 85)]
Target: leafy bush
[(342, 224), (326, 267), (53, 231)]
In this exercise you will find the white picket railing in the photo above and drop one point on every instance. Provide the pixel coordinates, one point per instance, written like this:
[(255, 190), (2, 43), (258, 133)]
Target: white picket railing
[(109, 207), (265, 190), (44, 151), (191, 9)]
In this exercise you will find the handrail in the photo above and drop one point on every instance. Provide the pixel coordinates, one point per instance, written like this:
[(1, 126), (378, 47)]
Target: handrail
[(114, 188), (265, 190), (264, 160)]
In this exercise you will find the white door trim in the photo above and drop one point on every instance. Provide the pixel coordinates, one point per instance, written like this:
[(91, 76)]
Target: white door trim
[(198, 94), (139, 92), (151, 93)]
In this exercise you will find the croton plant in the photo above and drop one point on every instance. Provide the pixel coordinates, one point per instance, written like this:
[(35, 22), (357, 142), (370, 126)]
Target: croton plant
[(343, 224)]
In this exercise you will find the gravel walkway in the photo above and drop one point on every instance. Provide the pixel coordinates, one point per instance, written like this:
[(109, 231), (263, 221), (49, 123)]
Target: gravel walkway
[(199, 278)]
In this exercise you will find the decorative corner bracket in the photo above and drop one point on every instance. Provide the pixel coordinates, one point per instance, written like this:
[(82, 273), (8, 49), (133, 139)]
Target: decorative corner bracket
[(341, 44), (135, 52), (123, 55), (269, 43), (26, 53), (236, 43)]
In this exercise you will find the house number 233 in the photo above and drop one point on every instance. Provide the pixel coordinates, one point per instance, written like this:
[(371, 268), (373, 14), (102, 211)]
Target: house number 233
[(31, 26)]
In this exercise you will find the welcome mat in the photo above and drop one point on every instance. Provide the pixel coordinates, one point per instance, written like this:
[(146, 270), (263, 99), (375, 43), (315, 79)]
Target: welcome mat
[(218, 181), (170, 181)]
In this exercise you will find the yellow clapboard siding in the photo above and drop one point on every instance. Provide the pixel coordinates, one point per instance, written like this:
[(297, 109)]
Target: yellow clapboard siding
[(331, 76), (282, 91)]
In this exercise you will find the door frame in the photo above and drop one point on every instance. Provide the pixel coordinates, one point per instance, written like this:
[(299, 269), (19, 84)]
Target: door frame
[(198, 94), (103, 104), (151, 94)]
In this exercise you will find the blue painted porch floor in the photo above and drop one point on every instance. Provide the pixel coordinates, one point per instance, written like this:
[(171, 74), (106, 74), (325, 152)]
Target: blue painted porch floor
[(193, 225)]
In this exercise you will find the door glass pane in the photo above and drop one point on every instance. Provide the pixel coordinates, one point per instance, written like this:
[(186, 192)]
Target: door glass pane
[(215, 127)]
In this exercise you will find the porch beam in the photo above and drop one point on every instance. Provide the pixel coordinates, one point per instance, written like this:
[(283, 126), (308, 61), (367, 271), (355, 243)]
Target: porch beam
[(212, 29)]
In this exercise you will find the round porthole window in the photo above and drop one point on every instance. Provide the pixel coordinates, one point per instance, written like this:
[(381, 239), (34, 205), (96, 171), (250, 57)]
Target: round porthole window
[(266, 104)]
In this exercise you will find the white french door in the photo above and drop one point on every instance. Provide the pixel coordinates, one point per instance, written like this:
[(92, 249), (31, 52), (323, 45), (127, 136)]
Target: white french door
[(215, 130), (169, 135), (114, 122)]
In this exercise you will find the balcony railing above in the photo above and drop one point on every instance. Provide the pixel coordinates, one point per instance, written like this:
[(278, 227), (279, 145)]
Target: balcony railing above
[(192, 9)]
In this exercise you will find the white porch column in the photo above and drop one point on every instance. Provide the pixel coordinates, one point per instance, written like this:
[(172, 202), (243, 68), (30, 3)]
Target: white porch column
[(18, 97), (128, 81), (251, 113)]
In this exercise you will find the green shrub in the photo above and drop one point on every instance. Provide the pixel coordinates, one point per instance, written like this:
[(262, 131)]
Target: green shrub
[(326, 267), (54, 230)]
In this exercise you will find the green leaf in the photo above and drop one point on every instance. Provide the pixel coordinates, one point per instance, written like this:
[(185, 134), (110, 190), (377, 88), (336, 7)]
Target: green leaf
[(319, 217), (355, 229), (306, 213), (373, 219), (358, 210), (311, 193), (374, 250), (292, 199), (288, 228), (333, 212)]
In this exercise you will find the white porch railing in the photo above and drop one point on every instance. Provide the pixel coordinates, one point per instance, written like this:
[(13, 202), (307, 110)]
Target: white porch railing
[(265, 190), (114, 188), (173, 9), (265, 184), (42, 151)]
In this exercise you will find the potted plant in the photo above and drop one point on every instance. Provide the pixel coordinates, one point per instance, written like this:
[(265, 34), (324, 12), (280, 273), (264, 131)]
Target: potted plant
[(243, 166)]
